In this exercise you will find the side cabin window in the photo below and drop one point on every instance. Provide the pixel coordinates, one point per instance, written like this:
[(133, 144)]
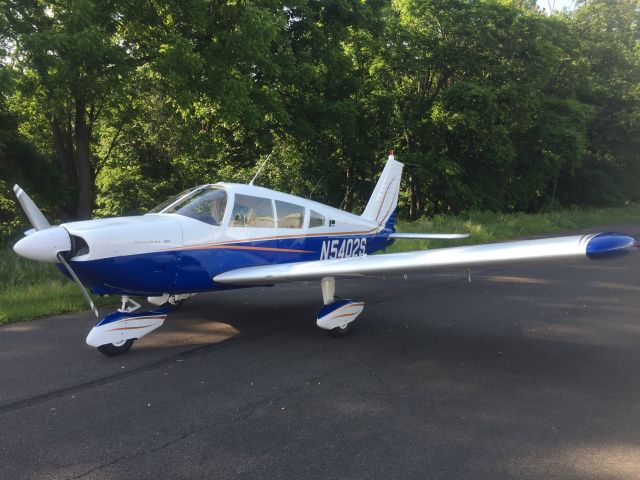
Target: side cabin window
[(251, 211), (289, 215), (316, 219)]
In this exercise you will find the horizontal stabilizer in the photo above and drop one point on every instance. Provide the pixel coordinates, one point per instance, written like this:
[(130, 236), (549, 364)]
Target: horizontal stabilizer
[(430, 236)]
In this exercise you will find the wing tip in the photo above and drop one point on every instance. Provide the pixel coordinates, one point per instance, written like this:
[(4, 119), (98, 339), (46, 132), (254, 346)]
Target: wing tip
[(610, 244)]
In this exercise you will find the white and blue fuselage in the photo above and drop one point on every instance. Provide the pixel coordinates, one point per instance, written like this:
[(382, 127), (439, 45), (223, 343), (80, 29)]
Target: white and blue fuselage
[(180, 250)]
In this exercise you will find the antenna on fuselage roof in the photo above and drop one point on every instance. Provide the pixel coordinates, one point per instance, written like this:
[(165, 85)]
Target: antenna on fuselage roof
[(260, 169)]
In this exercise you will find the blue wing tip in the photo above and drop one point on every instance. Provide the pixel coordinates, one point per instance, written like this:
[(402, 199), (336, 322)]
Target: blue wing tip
[(610, 244)]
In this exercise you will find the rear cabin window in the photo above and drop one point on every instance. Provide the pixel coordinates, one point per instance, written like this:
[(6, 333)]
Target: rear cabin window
[(316, 219), (251, 211), (289, 215)]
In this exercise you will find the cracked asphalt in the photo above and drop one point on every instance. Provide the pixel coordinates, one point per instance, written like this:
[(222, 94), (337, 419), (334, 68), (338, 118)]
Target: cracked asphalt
[(522, 373)]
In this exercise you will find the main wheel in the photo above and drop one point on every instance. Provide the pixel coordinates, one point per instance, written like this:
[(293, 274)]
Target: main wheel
[(113, 349), (339, 331)]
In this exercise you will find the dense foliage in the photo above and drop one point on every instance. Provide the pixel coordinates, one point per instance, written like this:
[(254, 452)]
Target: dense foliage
[(108, 106)]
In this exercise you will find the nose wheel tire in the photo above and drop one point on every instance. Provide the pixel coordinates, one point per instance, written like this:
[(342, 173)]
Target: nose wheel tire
[(339, 331), (114, 349)]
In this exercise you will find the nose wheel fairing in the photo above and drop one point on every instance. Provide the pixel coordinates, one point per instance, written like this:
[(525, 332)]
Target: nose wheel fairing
[(121, 326)]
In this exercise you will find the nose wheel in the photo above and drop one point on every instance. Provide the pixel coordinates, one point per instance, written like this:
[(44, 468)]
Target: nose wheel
[(118, 348)]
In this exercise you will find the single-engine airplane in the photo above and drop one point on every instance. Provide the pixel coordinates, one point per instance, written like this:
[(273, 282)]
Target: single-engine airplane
[(225, 235)]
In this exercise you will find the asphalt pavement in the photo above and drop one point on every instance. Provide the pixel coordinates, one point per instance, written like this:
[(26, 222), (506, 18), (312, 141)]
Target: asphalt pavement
[(525, 373)]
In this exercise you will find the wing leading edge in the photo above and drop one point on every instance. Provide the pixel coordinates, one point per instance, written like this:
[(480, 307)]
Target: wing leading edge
[(548, 249)]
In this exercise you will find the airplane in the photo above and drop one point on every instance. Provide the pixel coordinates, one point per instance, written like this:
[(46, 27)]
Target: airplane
[(227, 235)]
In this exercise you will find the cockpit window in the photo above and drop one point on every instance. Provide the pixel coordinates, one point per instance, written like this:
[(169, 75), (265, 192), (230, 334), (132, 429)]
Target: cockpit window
[(249, 211), (205, 204)]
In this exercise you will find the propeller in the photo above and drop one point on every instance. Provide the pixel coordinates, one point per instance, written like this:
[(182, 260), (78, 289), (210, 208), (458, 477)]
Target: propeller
[(34, 214), (46, 243), (79, 283)]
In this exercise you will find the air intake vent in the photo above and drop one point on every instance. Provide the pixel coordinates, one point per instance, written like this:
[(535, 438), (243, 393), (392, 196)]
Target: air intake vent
[(78, 246)]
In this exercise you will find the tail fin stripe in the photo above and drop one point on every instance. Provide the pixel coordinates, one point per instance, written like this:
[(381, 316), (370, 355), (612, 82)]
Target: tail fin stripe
[(384, 198), (392, 206)]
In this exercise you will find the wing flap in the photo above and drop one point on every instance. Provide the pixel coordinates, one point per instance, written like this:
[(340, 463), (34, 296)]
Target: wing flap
[(548, 249)]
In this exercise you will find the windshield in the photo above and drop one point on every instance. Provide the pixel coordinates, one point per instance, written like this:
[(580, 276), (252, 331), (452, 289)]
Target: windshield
[(171, 200), (205, 204)]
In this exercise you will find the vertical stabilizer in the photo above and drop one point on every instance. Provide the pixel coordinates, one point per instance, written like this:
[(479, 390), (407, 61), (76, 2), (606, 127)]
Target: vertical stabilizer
[(384, 199)]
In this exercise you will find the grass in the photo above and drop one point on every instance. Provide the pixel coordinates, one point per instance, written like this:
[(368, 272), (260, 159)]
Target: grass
[(30, 289)]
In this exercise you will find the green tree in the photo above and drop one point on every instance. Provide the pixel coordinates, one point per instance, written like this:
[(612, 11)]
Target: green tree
[(20, 162), (475, 86), (491, 104), (609, 59), (72, 62), (208, 100)]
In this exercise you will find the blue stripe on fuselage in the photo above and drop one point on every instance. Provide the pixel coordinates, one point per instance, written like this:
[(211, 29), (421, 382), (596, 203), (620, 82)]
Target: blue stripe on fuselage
[(191, 269)]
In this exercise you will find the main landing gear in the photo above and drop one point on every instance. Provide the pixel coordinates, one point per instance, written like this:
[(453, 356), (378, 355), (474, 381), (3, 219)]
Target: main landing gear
[(336, 315), (116, 333)]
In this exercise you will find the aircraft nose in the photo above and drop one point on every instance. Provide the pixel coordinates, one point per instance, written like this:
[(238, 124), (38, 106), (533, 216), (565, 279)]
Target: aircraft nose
[(44, 245)]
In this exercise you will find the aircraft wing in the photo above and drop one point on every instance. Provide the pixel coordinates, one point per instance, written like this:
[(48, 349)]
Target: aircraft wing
[(559, 249)]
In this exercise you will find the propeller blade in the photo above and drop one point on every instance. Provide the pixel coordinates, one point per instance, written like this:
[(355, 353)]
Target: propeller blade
[(77, 280), (33, 213)]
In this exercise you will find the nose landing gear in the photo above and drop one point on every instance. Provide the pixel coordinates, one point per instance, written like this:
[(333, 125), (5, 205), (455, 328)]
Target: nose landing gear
[(115, 333)]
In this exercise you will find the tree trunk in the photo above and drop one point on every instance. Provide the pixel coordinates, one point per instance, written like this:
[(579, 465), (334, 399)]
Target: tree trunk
[(412, 199), (415, 193), (415, 198), (83, 163), (348, 199), (64, 155)]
